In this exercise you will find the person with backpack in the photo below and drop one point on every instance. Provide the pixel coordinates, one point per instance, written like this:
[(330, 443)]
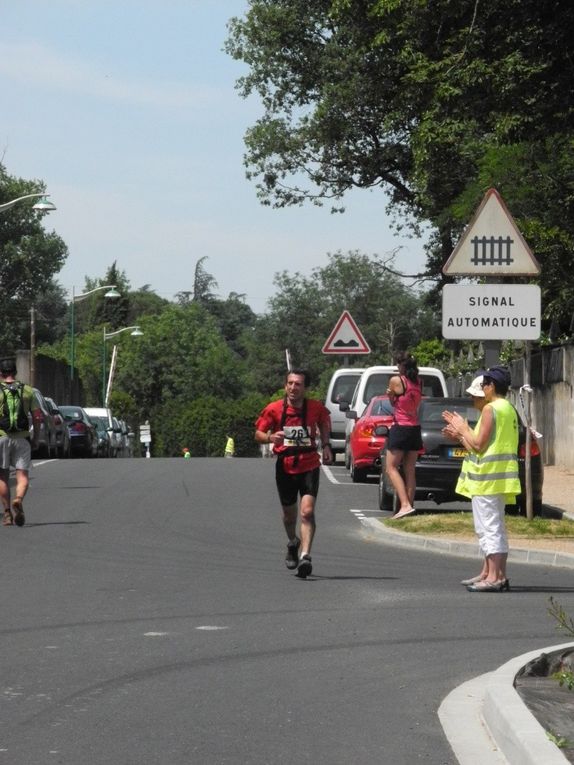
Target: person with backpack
[(17, 404), (292, 425)]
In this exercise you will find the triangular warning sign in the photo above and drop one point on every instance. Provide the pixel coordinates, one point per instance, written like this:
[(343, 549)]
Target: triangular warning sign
[(492, 245), (346, 337)]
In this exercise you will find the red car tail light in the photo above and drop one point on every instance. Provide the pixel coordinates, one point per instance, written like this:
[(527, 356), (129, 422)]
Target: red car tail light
[(79, 427), (366, 431), (534, 449)]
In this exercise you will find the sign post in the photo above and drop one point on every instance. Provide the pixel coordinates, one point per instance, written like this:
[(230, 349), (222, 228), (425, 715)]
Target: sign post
[(492, 248), (145, 437)]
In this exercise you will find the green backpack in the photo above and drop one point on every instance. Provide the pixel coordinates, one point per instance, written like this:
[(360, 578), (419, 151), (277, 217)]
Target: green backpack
[(13, 419)]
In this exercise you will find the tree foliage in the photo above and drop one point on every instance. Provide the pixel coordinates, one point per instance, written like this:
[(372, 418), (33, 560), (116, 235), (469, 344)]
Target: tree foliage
[(29, 259), (429, 101), (304, 311)]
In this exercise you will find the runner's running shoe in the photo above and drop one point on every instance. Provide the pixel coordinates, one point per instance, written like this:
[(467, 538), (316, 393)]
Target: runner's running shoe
[(18, 511), (305, 567), (292, 557)]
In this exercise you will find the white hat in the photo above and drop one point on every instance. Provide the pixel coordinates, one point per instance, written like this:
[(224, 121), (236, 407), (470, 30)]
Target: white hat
[(476, 387)]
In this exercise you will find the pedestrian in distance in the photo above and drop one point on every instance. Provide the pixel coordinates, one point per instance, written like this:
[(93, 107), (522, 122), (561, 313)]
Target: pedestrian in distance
[(405, 442), (489, 474), (186, 453), (17, 406), (292, 425), (230, 447)]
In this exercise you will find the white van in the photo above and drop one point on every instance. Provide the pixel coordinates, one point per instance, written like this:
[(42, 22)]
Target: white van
[(374, 382), (341, 388)]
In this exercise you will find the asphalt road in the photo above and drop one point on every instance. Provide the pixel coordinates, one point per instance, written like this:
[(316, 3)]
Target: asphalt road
[(147, 617)]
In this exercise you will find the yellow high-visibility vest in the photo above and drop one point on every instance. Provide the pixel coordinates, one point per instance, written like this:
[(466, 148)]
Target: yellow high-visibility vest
[(495, 470), (230, 448)]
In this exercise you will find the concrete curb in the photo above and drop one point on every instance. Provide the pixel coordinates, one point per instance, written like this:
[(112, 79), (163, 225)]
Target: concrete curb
[(464, 549), (516, 731)]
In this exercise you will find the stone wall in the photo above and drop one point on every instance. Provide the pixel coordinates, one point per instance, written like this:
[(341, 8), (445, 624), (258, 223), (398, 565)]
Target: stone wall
[(52, 378)]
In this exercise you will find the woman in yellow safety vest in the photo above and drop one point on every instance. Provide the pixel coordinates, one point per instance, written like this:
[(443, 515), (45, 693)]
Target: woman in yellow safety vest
[(489, 475)]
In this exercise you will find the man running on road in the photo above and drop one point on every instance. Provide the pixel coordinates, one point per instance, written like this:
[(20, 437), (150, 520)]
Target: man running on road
[(292, 426)]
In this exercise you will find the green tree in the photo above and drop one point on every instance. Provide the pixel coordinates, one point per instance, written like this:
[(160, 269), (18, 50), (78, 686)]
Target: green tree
[(304, 311), (29, 259), (180, 357)]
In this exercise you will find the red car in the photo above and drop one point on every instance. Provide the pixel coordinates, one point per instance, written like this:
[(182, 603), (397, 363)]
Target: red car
[(364, 447)]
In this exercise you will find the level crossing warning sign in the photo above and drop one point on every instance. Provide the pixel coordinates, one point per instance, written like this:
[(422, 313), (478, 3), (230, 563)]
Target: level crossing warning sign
[(346, 337), (492, 245)]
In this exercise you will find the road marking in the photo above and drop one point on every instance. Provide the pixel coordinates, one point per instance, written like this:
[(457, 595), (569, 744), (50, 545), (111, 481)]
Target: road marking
[(329, 474), (211, 627), (155, 634)]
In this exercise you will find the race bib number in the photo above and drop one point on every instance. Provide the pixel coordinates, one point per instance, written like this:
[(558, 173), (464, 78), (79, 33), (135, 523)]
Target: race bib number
[(295, 435)]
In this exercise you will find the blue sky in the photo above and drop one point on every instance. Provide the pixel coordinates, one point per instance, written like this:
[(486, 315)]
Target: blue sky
[(128, 111)]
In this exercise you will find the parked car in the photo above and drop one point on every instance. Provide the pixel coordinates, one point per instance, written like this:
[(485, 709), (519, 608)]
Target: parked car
[(341, 388), (363, 455), (116, 437), (44, 427), (83, 434), (438, 465), (374, 382), (63, 446), (103, 415), (104, 442)]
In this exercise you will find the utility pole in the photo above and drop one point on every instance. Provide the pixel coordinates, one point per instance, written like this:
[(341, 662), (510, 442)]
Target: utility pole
[(33, 347)]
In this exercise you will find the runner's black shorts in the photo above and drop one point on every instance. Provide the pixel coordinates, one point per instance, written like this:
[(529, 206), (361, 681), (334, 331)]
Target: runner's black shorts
[(291, 485), (405, 438)]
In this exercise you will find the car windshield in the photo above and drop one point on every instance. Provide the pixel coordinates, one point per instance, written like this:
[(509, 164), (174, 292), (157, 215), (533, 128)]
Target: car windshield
[(72, 414), (431, 411)]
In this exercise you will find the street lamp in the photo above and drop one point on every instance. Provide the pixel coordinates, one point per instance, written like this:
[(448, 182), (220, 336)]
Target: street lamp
[(112, 293), (44, 205), (136, 332)]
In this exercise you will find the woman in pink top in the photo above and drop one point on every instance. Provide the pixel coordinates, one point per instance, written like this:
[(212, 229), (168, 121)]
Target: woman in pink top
[(405, 441)]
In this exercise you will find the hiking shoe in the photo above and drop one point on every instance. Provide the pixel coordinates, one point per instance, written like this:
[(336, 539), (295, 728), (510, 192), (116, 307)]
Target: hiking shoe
[(7, 518), (292, 557), (18, 510), (305, 567)]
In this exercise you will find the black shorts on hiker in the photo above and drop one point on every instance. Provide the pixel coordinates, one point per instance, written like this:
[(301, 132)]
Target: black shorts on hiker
[(405, 438), (291, 485)]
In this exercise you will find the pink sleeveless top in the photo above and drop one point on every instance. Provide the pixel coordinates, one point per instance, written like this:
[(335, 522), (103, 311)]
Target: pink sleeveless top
[(406, 405)]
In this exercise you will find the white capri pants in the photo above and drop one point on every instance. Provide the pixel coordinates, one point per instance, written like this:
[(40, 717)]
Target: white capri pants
[(488, 515)]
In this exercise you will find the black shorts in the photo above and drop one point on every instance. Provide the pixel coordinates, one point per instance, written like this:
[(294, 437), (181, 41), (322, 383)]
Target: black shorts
[(405, 438), (291, 485)]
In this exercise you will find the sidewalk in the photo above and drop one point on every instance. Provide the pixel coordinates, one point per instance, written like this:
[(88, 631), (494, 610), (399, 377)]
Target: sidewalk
[(485, 719)]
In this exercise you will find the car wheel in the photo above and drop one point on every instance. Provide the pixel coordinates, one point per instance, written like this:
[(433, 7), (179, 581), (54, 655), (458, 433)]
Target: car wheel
[(347, 457), (358, 475), (387, 497)]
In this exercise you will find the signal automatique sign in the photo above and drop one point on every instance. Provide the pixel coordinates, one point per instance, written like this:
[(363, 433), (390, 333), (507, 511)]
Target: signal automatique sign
[(491, 312)]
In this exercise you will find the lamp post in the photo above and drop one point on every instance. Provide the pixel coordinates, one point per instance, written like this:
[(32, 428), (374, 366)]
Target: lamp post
[(136, 332), (112, 293), (44, 205)]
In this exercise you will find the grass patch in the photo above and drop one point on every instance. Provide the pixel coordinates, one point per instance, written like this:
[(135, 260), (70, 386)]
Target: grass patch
[(461, 523)]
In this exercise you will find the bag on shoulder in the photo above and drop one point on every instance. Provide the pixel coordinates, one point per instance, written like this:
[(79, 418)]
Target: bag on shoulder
[(13, 418)]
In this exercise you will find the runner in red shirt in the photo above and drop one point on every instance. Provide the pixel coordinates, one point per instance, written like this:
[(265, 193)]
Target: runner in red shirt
[(292, 425)]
